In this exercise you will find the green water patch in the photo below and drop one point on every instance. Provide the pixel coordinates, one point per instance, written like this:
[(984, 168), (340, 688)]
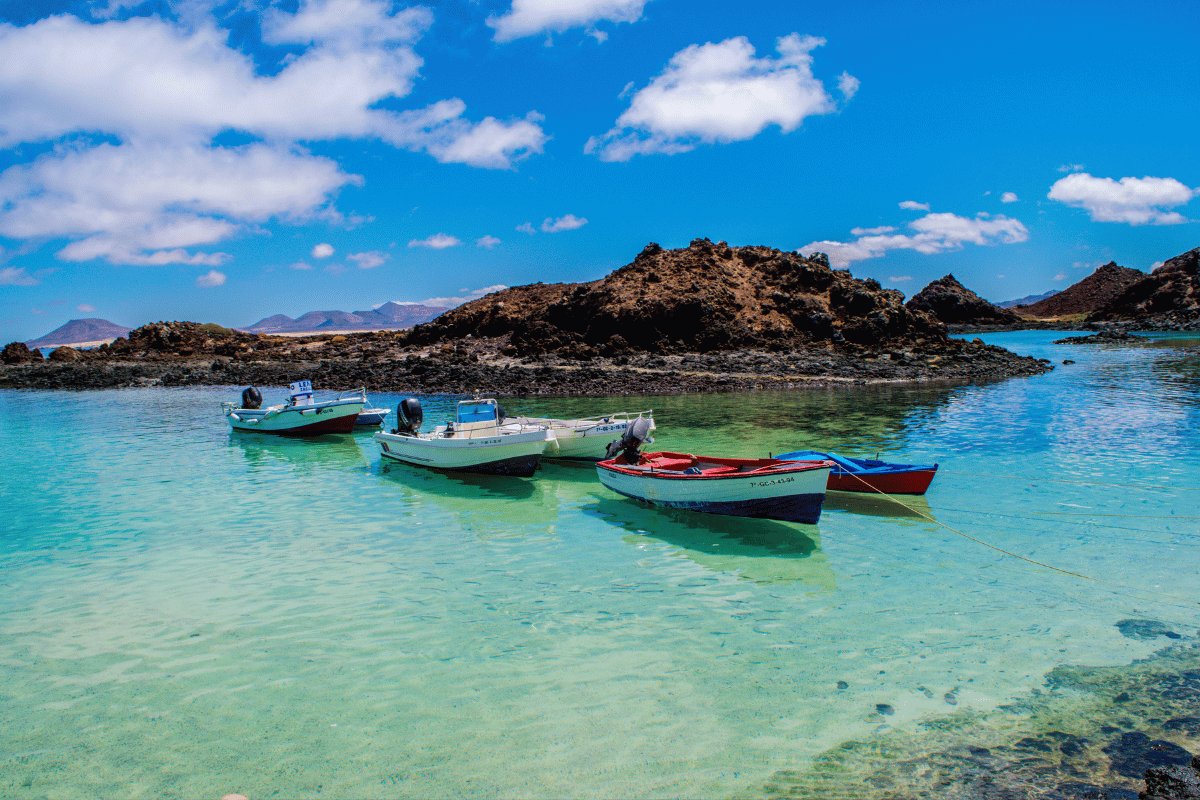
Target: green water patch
[(1088, 732)]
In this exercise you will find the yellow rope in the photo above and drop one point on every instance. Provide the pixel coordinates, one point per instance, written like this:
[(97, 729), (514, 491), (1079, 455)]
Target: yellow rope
[(919, 513)]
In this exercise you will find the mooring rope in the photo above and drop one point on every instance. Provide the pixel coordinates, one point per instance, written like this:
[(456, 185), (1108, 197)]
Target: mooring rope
[(918, 512)]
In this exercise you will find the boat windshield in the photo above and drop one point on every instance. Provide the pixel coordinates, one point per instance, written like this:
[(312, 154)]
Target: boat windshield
[(476, 412)]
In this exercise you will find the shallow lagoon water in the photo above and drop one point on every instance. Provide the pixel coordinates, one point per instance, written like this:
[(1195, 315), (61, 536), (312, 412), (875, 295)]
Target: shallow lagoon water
[(189, 612)]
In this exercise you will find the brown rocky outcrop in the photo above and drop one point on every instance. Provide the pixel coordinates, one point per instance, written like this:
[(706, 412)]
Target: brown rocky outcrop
[(954, 304), (19, 353), (1092, 293), (1168, 298), (65, 353), (704, 298)]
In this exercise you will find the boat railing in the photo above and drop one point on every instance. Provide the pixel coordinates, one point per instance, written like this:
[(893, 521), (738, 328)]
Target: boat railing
[(354, 394), (593, 422)]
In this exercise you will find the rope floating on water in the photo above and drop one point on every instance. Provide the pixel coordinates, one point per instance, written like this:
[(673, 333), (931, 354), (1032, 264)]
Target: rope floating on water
[(1189, 601)]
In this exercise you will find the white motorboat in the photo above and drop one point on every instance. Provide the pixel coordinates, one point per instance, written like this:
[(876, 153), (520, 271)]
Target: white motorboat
[(585, 439), (478, 440), (371, 417), (301, 415)]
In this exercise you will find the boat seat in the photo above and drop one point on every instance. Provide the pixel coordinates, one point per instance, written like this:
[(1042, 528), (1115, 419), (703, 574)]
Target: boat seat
[(673, 464)]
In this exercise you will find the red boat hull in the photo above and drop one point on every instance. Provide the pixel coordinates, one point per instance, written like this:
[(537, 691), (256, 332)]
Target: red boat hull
[(915, 482)]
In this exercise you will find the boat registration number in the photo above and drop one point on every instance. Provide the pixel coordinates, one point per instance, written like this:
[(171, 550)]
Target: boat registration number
[(771, 483), (474, 442), (607, 428)]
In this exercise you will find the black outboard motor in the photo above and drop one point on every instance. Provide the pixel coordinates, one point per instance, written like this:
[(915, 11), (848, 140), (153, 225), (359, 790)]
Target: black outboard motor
[(409, 416), (251, 398), (637, 434)]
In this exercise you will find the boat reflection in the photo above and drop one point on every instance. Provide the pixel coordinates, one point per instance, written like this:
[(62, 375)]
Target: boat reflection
[(877, 505), (761, 550), (328, 451), (458, 485)]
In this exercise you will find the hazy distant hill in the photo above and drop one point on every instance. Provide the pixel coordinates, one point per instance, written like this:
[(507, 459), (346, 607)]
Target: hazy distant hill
[(78, 331), (387, 316), (1028, 300)]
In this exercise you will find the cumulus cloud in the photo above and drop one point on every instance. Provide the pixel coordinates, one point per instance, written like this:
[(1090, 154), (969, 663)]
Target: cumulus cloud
[(913, 205), (531, 17), (300, 265), (932, 233), (719, 93), (1137, 201), (568, 222), (1071, 168), (527, 227), (900, 279), (322, 251), (438, 241), (848, 85), (85, 308), (488, 241), (1062, 276), (210, 279), (468, 294), (156, 93), (16, 276), (1009, 197), (368, 260), (872, 231)]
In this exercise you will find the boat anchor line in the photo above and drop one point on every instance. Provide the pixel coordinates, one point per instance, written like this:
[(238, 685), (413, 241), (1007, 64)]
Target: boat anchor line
[(1186, 600)]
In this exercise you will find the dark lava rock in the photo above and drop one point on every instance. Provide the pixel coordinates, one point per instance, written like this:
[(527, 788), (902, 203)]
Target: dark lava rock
[(1135, 752), (949, 301), (1173, 782), (885, 709), (1092, 293), (19, 353), (843, 685), (65, 354), (1099, 338), (1167, 299), (1144, 629)]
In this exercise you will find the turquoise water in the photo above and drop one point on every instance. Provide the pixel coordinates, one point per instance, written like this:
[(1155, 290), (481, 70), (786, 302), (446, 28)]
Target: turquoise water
[(187, 612)]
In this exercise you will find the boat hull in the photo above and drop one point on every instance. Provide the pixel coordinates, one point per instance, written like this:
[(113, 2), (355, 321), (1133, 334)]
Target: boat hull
[(333, 417), (515, 454), (789, 495), (869, 475), (583, 439), (371, 417)]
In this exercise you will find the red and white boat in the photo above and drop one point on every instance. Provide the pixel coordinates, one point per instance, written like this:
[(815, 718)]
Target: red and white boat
[(301, 415), (769, 488)]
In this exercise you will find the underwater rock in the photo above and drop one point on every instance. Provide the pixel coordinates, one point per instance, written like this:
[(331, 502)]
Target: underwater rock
[(1175, 782), (1134, 753), (1144, 629), (885, 709)]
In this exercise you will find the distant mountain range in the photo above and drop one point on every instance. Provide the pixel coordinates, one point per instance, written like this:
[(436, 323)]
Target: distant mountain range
[(388, 316), (79, 331), (1028, 300)]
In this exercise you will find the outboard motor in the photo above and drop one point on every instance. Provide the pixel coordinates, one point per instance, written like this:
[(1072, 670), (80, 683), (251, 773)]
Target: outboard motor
[(251, 398), (409, 416), (636, 434)]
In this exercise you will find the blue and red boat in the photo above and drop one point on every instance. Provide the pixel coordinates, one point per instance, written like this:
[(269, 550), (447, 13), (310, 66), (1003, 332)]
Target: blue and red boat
[(869, 475)]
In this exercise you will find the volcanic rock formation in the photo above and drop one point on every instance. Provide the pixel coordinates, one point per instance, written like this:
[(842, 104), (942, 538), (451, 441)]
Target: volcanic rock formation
[(1169, 297), (954, 304), (1092, 293), (704, 298)]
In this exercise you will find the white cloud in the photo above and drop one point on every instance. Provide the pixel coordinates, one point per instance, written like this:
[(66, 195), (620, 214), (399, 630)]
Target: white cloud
[(718, 93), (16, 276), (900, 279), (934, 233), (85, 308), (1155, 265), (527, 227), (468, 294), (848, 84), (210, 279), (872, 231), (913, 205), (147, 203), (368, 260), (488, 241), (300, 265), (530, 17), (1009, 197), (1071, 168), (439, 241), (568, 222), (1062, 276), (322, 251), (1137, 201), (160, 91)]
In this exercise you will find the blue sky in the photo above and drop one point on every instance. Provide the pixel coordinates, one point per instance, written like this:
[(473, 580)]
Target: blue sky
[(225, 162)]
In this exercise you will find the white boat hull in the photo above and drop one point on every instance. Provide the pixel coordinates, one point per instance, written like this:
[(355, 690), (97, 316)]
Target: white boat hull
[(499, 454), (792, 496), (334, 416), (584, 439)]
